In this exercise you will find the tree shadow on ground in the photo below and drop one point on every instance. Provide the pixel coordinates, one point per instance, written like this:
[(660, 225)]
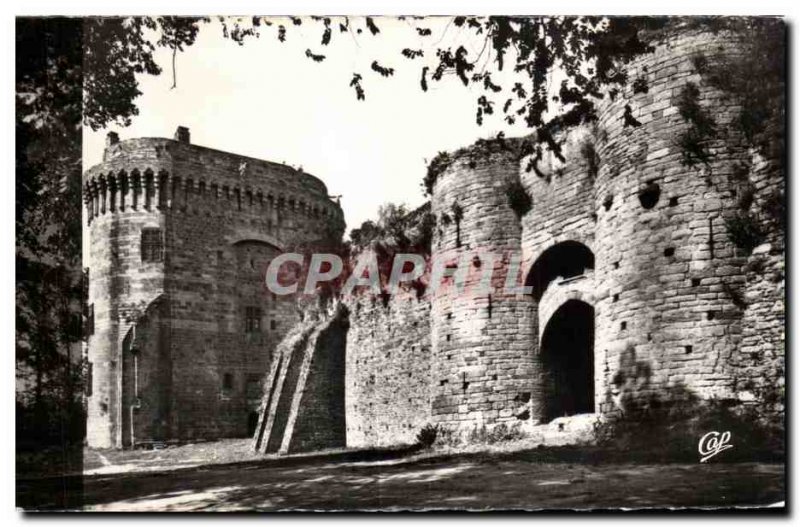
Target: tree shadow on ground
[(396, 480)]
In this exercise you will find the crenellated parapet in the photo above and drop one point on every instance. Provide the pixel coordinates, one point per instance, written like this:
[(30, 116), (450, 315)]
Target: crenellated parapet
[(197, 227), (151, 174)]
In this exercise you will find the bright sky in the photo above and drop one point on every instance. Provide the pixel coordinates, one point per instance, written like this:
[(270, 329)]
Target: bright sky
[(267, 100)]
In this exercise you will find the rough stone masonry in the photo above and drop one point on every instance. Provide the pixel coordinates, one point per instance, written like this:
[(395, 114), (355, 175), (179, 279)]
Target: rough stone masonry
[(637, 290), (183, 329)]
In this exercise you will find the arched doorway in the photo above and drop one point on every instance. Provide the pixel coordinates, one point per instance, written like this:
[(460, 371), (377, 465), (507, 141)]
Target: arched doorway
[(567, 355), (566, 260)]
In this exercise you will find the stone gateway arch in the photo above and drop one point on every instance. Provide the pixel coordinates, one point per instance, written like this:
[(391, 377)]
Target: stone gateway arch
[(637, 289)]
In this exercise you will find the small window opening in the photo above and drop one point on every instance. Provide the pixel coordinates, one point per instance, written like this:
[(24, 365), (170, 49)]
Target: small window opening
[(252, 319), (152, 245)]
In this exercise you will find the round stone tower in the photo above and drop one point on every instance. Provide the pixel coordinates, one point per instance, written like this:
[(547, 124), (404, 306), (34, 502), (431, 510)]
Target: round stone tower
[(181, 325), (642, 293), (670, 306), (482, 366)]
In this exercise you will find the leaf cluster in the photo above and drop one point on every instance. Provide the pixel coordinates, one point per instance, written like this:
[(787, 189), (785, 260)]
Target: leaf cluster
[(702, 126)]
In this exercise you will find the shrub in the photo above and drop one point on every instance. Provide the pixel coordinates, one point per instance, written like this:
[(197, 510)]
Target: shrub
[(421, 235), (668, 428), (701, 126), (744, 231), (502, 433), (447, 438), (478, 435), (427, 435), (756, 79)]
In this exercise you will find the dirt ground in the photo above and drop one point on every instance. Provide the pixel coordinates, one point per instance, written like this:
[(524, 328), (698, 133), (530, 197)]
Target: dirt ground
[(204, 477)]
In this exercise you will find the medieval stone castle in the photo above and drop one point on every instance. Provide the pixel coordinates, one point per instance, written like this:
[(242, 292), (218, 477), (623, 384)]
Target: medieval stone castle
[(639, 293), (182, 328)]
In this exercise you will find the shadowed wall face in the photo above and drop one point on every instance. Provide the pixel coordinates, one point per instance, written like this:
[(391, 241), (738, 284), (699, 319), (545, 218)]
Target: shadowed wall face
[(568, 358)]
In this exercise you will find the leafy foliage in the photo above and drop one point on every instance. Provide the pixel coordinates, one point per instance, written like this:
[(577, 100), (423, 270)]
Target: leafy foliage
[(589, 51), (371, 26), (755, 78), (481, 150), (117, 49), (397, 229), (500, 433), (412, 53), (49, 293), (385, 72), (744, 231), (314, 57), (427, 435), (355, 83), (362, 236), (437, 165), (701, 126)]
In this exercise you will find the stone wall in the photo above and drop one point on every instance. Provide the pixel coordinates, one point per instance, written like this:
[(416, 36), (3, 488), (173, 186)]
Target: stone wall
[(623, 234), (668, 324), (147, 363), (116, 300), (482, 362), (388, 378), (303, 407), (222, 218), (679, 311)]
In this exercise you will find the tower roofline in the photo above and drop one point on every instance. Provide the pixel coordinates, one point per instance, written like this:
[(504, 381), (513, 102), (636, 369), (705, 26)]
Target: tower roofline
[(114, 158)]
